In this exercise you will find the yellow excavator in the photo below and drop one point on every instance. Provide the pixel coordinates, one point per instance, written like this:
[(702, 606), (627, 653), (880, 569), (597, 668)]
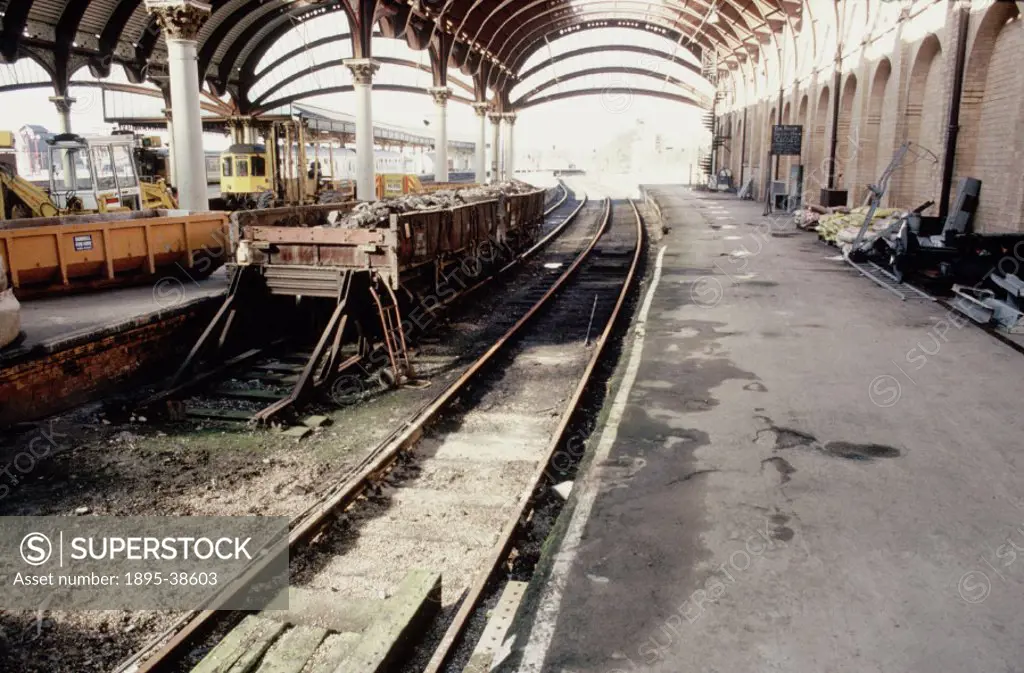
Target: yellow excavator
[(94, 174)]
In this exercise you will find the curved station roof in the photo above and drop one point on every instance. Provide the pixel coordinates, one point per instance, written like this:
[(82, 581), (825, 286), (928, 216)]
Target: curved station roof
[(482, 48)]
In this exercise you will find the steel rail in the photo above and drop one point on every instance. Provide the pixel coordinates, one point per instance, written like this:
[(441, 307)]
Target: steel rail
[(253, 353), (197, 623), (565, 197), (500, 550)]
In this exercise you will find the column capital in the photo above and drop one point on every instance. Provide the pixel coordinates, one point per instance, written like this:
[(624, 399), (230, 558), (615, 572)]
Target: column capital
[(63, 103), (510, 117), (363, 69), (179, 19), (481, 108), (495, 117), (440, 94)]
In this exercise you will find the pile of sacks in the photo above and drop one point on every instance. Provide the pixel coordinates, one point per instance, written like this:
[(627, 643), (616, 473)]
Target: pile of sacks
[(840, 225), (10, 311), (370, 215)]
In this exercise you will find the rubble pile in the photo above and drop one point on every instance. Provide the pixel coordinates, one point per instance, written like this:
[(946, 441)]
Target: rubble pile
[(840, 225), (375, 214)]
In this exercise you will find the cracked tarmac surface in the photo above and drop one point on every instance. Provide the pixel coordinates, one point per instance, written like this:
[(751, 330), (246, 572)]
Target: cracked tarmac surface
[(793, 486)]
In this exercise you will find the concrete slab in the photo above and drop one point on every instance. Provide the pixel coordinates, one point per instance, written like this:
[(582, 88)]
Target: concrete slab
[(241, 650), (796, 472), (293, 650), (409, 613), (61, 318)]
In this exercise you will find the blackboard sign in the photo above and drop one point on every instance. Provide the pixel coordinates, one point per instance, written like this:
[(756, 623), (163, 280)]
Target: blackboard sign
[(786, 139)]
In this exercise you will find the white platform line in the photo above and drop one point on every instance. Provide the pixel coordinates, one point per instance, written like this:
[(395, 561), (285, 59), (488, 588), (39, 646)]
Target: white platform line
[(536, 648)]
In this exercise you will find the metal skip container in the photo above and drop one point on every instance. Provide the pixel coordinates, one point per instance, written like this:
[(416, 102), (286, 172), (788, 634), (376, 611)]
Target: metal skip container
[(50, 255)]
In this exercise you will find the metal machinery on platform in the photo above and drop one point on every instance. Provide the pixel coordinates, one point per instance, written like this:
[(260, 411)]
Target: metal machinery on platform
[(945, 255), (97, 224), (300, 165), (87, 174)]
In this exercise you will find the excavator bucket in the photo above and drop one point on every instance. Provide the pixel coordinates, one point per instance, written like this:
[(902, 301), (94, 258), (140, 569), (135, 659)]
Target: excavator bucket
[(157, 195)]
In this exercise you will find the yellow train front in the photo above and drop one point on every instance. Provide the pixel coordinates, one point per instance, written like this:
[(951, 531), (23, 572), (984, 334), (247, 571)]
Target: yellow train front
[(244, 176)]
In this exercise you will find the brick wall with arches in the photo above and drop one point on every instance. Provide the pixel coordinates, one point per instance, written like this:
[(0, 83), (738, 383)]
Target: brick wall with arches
[(893, 67)]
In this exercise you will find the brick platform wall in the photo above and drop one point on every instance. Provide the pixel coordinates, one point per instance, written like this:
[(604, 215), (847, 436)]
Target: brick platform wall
[(39, 385)]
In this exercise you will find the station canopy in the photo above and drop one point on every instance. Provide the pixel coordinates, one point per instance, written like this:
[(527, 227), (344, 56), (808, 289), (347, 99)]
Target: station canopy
[(257, 55)]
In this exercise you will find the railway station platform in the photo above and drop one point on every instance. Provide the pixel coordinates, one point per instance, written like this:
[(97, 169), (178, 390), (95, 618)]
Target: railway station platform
[(794, 471), (78, 347)]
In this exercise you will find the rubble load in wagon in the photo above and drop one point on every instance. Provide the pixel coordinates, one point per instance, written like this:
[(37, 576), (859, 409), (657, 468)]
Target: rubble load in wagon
[(370, 215)]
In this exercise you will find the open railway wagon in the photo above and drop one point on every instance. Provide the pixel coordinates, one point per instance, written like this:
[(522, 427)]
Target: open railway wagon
[(53, 255), (342, 300)]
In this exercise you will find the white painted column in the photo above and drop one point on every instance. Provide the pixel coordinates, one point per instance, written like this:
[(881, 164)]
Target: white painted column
[(441, 95), (172, 165), (181, 21), (481, 142), (510, 145), (495, 118), (63, 104), (363, 70)]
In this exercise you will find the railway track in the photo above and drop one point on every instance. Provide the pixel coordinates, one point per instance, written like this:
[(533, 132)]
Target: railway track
[(441, 497), (257, 384)]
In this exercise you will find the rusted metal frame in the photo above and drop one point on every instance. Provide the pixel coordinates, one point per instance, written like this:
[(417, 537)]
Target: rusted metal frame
[(202, 378), (63, 38), (401, 346), (279, 27), (396, 23), (439, 48), (247, 14), (628, 48), (15, 20), (346, 88), (228, 305), (396, 351), (523, 7), (499, 552), (305, 382), (586, 72), (460, 29), (609, 90), (379, 461), (676, 18), (146, 43), (363, 16), (298, 51), (538, 39), (337, 63), (107, 86), (531, 41), (112, 33), (282, 18)]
